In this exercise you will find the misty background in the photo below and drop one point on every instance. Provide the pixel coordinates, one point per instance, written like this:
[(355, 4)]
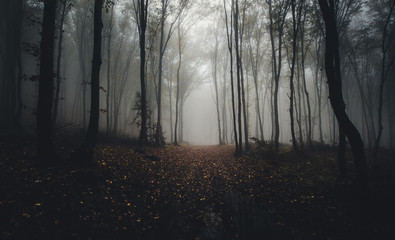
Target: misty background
[(199, 27)]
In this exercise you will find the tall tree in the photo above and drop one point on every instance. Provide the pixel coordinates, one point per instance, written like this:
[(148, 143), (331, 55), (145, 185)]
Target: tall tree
[(11, 15), (108, 93), (296, 19), (214, 58), (182, 30), (65, 6), (45, 92), (254, 38), (333, 73), (141, 11), (277, 18), (229, 34), (239, 31), (386, 43), (86, 150), (164, 40)]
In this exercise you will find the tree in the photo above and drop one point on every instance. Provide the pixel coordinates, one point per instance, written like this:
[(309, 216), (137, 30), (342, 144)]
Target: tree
[(108, 95), (239, 29), (65, 7), (162, 48), (386, 43), (86, 150), (141, 12), (44, 106), (333, 73), (296, 20), (254, 37), (277, 21), (229, 34), (214, 58), (11, 15), (181, 32), (82, 19)]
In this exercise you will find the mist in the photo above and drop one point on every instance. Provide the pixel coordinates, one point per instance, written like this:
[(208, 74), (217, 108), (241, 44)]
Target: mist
[(197, 119), (201, 29)]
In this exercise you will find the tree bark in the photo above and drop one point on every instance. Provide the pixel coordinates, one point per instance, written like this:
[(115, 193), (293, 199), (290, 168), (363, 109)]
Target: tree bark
[(108, 94), (142, 12), (332, 67), (86, 150), (45, 94)]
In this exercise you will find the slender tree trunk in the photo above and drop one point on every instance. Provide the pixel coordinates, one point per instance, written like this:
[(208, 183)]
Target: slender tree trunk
[(384, 74), (170, 85), (295, 24), (143, 15), (283, 8), (86, 150), (45, 94), (254, 69), (58, 61), (220, 142), (229, 31), (238, 65), (245, 108), (309, 128), (108, 94), (178, 84)]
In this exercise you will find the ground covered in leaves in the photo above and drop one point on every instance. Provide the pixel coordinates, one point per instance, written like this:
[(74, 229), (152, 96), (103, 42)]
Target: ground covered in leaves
[(187, 192)]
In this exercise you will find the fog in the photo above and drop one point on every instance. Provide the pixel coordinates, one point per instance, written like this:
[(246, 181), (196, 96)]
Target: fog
[(197, 32)]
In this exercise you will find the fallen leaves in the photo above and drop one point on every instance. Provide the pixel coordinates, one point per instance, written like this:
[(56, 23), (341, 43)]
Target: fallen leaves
[(178, 192)]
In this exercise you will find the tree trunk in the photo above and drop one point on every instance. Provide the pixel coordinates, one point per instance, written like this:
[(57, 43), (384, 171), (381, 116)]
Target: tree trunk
[(384, 74), (45, 94), (10, 88), (230, 48), (178, 85), (143, 14), (332, 67), (283, 8), (108, 94), (295, 25), (309, 128), (86, 151), (238, 65), (58, 61), (245, 108)]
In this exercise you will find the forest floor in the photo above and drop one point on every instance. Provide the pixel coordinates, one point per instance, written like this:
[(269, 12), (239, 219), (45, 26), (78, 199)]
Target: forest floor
[(187, 192)]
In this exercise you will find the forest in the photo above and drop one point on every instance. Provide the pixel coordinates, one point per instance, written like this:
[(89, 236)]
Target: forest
[(197, 119)]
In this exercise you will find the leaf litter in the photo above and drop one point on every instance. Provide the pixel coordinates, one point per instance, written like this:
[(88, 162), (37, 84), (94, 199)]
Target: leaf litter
[(187, 192)]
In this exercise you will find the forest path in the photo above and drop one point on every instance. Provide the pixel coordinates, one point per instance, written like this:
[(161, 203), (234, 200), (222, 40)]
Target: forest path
[(197, 191), (186, 192)]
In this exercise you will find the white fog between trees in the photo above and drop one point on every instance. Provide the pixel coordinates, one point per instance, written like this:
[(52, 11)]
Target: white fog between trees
[(278, 40)]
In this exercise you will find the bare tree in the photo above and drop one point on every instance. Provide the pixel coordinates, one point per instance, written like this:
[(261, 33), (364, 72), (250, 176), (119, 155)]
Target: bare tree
[(277, 21), (332, 67), (229, 34), (214, 58), (386, 43), (164, 40)]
